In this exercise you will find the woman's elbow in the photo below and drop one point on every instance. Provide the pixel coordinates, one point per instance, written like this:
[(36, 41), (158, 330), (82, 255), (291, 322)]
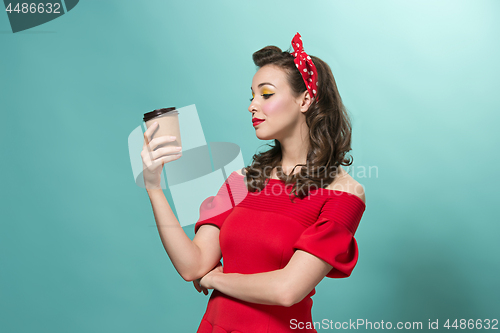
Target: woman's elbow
[(187, 278), (191, 276), (194, 274), (188, 275), (289, 298)]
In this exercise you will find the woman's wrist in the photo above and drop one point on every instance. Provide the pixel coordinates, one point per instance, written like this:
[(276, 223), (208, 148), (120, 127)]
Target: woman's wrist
[(216, 279), (154, 191)]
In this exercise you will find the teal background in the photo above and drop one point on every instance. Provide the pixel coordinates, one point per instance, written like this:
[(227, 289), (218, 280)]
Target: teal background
[(79, 248)]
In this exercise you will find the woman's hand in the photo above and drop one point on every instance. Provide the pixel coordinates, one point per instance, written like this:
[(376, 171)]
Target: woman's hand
[(153, 160), (204, 283), (200, 288)]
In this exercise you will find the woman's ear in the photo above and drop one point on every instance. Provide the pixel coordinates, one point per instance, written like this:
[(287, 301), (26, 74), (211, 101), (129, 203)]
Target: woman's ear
[(306, 101)]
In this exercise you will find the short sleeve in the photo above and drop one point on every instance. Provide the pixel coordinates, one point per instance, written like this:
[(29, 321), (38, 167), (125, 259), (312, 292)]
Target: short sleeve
[(215, 209), (331, 237)]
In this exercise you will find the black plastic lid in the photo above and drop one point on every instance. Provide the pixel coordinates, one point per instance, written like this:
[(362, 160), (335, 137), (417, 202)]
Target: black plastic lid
[(156, 113)]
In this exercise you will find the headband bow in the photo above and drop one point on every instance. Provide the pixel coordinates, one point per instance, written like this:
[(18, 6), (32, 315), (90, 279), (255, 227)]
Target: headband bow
[(305, 65)]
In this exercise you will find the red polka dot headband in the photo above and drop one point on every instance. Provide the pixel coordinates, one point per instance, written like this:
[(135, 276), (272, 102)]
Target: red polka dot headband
[(305, 65)]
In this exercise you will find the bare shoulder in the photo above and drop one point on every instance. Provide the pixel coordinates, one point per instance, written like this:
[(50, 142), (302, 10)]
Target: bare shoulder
[(239, 172), (344, 182)]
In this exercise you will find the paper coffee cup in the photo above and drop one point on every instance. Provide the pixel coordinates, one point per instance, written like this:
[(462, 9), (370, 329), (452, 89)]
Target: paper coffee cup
[(168, 121)]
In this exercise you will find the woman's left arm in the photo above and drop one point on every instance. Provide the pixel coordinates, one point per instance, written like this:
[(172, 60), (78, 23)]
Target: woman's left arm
[(284, 287)]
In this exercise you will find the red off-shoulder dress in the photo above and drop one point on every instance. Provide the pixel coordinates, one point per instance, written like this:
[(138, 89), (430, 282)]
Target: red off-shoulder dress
[(259, 232)]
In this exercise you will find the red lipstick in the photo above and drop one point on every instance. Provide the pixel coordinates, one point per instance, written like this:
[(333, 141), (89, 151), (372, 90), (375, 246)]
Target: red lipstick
[(257, 121)]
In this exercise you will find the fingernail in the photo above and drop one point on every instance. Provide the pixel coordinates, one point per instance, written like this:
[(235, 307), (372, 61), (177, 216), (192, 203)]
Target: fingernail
[(172, 137), (155, 123)]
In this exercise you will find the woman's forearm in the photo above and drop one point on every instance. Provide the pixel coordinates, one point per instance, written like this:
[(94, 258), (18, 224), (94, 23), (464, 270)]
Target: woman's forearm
[(184, 254), (262, 288)]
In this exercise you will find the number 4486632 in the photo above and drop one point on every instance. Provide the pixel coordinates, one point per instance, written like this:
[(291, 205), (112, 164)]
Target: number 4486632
[(472, 324), (32, 8)]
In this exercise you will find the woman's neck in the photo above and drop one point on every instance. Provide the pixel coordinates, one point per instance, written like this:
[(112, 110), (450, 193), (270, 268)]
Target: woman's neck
[(293, 158)]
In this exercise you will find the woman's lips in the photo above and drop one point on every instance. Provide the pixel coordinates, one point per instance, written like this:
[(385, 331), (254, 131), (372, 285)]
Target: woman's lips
[(256, 122)]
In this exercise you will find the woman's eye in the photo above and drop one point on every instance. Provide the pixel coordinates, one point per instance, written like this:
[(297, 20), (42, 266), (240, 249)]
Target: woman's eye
[(266, 96)]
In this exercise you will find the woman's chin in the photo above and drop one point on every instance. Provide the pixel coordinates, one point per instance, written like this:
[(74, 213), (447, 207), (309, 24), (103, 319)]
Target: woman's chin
[(263, 137)]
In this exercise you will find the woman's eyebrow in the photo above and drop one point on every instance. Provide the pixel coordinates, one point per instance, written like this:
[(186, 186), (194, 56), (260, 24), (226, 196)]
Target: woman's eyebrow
[(263, 83)]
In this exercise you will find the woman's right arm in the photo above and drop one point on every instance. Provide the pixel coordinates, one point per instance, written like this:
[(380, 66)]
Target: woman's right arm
[(191, 258)]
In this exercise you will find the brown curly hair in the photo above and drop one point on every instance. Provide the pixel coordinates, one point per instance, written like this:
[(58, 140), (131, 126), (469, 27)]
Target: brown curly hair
[(329, 130)]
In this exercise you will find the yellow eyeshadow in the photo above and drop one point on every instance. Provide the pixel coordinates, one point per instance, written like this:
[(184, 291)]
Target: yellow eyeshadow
[(265, 91)]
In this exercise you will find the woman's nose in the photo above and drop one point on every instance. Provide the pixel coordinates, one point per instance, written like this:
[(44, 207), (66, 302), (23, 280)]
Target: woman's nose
[(252, 108)]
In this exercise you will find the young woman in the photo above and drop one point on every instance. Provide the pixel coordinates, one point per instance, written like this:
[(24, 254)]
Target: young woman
[(279, 231)]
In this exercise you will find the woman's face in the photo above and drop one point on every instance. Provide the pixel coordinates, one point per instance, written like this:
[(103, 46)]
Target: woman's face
[(273, 101)]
